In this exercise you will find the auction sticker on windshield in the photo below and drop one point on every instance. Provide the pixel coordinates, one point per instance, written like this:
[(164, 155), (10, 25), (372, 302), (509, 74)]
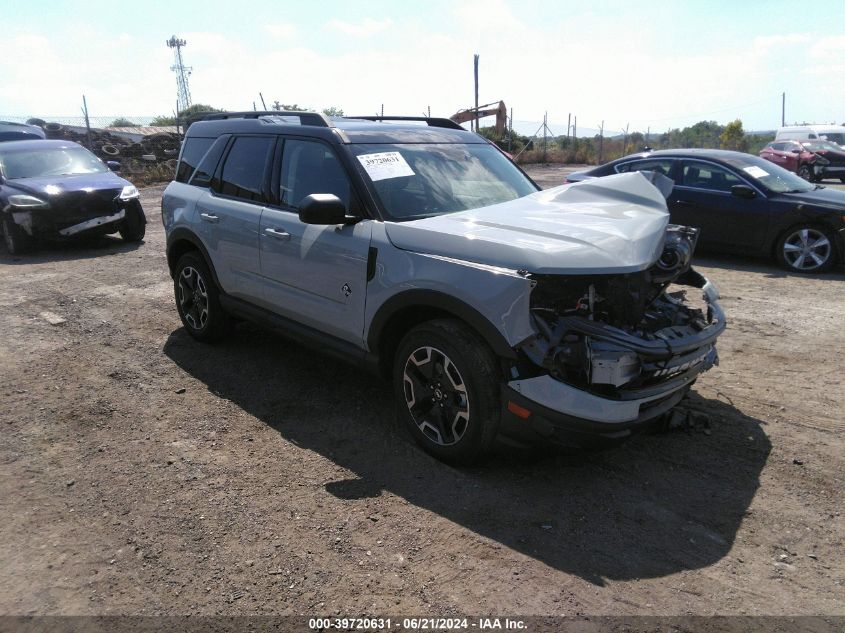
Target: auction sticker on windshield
[(755, 171), (385, 165)]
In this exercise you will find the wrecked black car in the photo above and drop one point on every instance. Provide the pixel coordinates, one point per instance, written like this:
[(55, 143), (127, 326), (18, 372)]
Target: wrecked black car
[(58, 190)]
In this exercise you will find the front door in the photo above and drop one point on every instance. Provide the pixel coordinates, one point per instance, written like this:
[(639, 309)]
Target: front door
[(702, 198), (316, 275)]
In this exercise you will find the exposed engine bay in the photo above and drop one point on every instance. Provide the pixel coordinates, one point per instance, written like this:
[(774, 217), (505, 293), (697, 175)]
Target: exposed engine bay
[(630, 331)]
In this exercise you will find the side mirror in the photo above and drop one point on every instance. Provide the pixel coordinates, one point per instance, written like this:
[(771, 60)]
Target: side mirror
[(743, 191), (795, 151), (113, 165), (323, 208)]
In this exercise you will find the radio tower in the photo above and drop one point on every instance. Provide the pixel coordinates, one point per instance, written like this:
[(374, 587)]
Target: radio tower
[(183, 93)]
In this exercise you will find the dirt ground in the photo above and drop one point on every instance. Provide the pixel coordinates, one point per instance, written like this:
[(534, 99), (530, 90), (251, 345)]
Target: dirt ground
[(143, 473)]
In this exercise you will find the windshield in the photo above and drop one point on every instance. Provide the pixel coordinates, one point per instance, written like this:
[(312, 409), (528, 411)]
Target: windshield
[(769, 175), (422, 180), (49, 161), (815, 146), (836, 137)]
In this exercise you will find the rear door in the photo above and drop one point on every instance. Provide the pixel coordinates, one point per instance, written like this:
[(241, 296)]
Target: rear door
[(702, 198), (316, 275), (230, 214)]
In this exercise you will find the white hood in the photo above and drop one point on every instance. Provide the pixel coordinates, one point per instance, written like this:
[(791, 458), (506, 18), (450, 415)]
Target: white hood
[(607, 225)]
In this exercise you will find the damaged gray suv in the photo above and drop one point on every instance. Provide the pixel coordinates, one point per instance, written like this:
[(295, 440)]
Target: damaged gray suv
[(417, 248)]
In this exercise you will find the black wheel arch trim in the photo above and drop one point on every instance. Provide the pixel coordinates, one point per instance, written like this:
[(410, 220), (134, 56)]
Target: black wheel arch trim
[(440, 301), (181, 234)]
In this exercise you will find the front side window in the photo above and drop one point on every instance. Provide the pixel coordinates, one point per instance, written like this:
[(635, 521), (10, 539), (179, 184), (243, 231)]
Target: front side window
[(418, 180), (51, 161), (245, 167), (311, 167), (708, 176), (660, 165)]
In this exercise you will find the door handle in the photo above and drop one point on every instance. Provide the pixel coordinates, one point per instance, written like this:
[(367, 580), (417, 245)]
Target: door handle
[(210, 217), (279, 234)]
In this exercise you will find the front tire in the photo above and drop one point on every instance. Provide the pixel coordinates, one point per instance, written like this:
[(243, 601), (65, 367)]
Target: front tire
[(805, 172), (17, 240), (806, 249), (446, 384), (134, 225), (198, 299)]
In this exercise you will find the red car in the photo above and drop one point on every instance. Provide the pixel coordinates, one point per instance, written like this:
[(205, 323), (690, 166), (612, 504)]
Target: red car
[(812, 160), (793, 156)]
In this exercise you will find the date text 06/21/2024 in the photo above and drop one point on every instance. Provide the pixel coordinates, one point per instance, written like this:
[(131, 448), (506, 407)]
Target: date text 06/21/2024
[(416, 624)]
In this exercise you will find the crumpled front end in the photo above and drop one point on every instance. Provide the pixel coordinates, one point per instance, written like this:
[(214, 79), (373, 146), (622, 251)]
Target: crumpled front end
[(614, 352)]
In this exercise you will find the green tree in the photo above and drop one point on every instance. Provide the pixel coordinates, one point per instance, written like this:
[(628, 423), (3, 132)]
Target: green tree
[(197, 108), (333, 111), (733, 137), (121, 122), (284, 107)]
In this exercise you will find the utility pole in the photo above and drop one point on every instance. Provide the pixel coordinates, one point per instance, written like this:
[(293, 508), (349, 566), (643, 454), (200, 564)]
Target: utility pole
[(475, 71), (783, 110), (568, 126), (575, 129), (601, 141), (87, 123), (510, 131), (625, 142), (263, 105), (545, 127), (183, 92)]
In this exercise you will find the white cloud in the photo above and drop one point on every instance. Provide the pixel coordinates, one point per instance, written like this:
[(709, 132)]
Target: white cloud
[(364, 28), (280, 30)]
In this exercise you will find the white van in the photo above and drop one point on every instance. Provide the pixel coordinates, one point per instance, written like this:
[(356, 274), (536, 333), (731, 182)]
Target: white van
[(832, 133)]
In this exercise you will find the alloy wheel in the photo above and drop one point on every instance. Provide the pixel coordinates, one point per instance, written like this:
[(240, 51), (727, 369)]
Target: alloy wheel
[(193, 298), (807, 249), (436, 396)]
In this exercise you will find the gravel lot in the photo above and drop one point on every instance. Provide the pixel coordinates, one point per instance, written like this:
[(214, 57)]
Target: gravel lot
[(143, 473)]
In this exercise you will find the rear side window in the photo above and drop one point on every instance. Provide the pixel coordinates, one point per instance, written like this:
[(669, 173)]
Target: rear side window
[(245, 167), (208, 165), (708, 176), (194, 149), (661, 166)]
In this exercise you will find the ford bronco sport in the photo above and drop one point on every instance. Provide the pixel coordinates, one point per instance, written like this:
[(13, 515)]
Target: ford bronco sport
[(418, 248)]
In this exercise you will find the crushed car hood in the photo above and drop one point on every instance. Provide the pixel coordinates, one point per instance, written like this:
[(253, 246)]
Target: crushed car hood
[(609, 225)]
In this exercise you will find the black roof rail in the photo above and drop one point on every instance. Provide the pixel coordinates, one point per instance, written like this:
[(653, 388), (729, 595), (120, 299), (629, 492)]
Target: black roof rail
[(306, 118), (432, 121)]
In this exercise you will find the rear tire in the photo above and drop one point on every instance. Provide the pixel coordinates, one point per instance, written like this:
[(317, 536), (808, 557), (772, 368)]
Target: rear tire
[(198, 299), (17, 240), (446, 385), (134, 225)]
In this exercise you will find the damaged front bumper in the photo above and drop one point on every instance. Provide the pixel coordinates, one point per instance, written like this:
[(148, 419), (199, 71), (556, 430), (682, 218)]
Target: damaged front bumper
[(627, 379), (59, 223)]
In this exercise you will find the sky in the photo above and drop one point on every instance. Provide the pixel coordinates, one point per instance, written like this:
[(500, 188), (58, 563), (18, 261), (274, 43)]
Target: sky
[(645, 65)]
